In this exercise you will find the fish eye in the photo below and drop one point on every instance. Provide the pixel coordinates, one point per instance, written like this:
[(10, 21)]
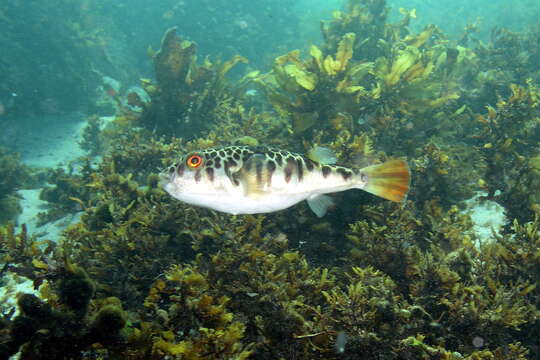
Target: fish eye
[(194, 161)]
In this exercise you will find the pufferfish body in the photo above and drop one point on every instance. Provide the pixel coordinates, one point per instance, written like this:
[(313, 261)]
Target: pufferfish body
[(261, 179)]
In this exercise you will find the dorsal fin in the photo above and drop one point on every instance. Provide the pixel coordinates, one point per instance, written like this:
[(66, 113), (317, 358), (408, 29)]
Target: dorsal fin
[(322, 155)]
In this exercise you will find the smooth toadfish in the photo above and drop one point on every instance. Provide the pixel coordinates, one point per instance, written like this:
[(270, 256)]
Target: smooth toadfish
[(252, 180)]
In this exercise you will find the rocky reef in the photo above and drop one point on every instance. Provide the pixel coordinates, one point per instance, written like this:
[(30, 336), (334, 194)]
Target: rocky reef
[(143, 276)]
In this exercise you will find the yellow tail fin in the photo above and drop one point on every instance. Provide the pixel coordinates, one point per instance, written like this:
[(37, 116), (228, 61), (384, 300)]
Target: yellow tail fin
[(389, 180)]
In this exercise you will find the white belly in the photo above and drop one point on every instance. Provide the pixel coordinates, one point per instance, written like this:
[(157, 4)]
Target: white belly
[(222, 195), (236, 205)]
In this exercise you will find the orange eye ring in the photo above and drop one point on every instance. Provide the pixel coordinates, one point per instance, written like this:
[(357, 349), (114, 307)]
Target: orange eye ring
[(194, 161)]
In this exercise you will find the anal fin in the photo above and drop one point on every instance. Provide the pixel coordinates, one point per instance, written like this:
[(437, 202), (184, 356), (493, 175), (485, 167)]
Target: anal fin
[(319, 204)]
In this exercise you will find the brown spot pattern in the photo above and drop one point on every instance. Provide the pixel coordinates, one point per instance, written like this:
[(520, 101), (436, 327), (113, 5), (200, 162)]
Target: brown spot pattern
[(345, 174), (210, 174), (271, 168), (300, 169), (258, 171), (289, 169), (326, 170), (181, 169)]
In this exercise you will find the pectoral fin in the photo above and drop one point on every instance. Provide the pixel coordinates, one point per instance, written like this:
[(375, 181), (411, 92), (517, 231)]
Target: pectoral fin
[(319, 204)]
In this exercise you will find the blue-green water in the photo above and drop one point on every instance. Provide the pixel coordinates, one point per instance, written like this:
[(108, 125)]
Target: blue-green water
[(99, 97)]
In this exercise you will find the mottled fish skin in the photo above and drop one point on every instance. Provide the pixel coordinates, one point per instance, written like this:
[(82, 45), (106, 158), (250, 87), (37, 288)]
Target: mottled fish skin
[(250, 180)]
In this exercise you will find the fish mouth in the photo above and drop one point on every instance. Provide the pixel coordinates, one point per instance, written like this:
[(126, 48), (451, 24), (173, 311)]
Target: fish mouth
[(164, 179)]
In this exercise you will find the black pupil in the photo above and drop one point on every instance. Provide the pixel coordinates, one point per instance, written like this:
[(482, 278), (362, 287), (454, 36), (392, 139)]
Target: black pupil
[(194, 160)]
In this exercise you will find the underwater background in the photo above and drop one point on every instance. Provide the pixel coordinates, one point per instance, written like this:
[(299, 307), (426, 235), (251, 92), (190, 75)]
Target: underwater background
[(98, 97)]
